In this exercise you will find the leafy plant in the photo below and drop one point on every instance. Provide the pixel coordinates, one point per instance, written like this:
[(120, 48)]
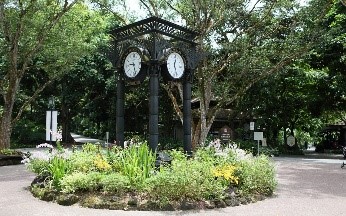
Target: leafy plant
[(9, 152), (82, 161), (91, 148), (57, 168), (115, 183), (38, 166), (185, 179), (257, 176), (137, 162), (79, 181)]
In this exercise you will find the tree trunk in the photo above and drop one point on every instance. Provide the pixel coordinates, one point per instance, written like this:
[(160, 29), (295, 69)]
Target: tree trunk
[(6, 117), (5, 131)]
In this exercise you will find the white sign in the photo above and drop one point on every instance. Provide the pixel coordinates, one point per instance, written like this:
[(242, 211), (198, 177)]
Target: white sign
[(258, 136), (291, 141), (252, 125), (51, 124)]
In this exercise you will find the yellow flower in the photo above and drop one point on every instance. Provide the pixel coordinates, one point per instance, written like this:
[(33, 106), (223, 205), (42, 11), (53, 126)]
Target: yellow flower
[(226, 172), (101, 164)]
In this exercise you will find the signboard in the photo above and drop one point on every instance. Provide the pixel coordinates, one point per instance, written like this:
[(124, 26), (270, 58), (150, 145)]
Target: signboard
[(258, 136), (252, 125), (225, 134), (51, 124), (291, 141)]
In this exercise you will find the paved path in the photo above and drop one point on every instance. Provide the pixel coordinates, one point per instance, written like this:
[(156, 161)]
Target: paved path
[(315, 187), (79, 139)]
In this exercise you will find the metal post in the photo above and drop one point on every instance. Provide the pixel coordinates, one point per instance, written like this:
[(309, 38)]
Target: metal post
[(187, 116), (154, 109), (258, 148), (120, 138)]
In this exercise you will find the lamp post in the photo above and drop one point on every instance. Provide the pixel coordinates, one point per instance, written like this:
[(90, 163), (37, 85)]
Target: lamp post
[(51, 106)]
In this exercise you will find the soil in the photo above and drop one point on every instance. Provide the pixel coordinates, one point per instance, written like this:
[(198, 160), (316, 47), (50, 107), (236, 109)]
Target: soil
[(132, 201)]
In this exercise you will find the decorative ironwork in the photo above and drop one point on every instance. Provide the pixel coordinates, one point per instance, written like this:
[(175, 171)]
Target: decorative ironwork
[(154, 25)]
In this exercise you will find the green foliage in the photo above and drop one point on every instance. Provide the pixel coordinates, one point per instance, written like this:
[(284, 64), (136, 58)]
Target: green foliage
[(82, 161), (207, 155), (269, 151), (27, 132), (79, 181), (38, 166), (137, 163), (57, 168), (9, 152), (185, 179), (115, 183), (257, 176), (90, 148)]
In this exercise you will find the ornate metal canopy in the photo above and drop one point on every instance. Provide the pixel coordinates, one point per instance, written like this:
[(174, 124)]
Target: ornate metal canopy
[(156, 36), (154, 25)]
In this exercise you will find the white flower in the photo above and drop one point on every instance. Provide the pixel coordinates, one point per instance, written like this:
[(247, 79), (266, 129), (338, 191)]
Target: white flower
[(215, 144), (44, 145)]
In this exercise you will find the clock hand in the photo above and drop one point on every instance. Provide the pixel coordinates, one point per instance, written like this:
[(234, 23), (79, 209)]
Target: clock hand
[(134, 69), (175, 60)]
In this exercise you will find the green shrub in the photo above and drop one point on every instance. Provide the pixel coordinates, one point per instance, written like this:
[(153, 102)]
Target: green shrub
[(269, 151), (26, 133), (9, 152), (82, 161), (79, 181), (113, 158), (206, 155), (38, 166), (185, 179), (91, 148), (115, 183), (257, 176)]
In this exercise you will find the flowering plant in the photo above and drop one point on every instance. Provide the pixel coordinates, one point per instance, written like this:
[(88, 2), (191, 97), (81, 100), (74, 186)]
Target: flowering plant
[(227, 172), (101, 164)]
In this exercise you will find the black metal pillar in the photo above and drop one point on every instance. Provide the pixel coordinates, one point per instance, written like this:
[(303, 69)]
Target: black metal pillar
[(154, 109), (120, 138), (187, 116)]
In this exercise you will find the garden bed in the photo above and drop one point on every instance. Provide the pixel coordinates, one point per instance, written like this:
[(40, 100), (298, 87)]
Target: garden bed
[(128, 178)]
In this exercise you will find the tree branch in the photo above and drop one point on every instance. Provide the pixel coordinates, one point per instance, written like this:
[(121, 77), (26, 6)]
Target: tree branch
[(30, 100), (42, 34), (147, 6), (176, 107)]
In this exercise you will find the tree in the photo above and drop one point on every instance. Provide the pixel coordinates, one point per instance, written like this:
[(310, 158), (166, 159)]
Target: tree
[(310, 93), (286, 102), (246, 44), (49, 35), (330, 56)]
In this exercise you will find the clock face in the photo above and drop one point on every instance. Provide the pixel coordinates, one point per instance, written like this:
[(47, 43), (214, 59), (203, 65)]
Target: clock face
[(175, 65), (132, 64)]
